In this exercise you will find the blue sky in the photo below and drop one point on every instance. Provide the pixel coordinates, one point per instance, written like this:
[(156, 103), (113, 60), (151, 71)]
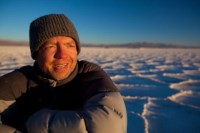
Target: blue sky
[(110, 21)]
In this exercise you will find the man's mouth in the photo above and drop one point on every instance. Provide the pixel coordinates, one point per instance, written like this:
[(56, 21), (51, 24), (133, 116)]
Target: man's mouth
[(60, 66)]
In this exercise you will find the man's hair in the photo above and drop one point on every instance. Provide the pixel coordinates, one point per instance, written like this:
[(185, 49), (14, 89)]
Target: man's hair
[(45, 27)]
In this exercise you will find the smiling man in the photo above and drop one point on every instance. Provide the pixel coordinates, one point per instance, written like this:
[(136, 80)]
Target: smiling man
[(58, 57), (59, 93)]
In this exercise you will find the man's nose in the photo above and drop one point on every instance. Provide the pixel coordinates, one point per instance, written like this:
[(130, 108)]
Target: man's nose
[(61, 52)]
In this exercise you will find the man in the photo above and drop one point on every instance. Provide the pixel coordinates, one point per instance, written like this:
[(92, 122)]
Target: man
[(59, 94)]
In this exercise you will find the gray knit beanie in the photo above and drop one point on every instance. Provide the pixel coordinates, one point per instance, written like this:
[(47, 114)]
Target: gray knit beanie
[(49, 26)]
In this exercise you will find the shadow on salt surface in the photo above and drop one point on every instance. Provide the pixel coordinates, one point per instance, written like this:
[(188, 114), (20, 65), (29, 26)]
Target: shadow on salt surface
[(165, 116), (161, 78), (187, 98), (118, 71), (135, 104), (131, 79), (135, 123), (193, 85), (134, 107), (147, 91), (192, 74), (142, 86), (180, 76)]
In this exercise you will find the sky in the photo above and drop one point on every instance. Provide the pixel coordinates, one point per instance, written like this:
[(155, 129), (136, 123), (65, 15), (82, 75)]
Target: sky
[(109, 21)]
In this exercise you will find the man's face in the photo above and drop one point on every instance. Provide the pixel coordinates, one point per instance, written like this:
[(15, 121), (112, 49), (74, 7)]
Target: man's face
[(58, 57)]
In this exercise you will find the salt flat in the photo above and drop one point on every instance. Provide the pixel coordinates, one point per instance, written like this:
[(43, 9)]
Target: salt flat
[(161, 87)]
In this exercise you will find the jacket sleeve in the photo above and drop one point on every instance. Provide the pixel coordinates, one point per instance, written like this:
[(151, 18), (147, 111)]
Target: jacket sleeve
[(8, 129), (102, 113), (11, 87), (5, 128)]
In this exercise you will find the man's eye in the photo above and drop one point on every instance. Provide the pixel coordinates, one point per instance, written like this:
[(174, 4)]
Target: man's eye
[(49, 46)]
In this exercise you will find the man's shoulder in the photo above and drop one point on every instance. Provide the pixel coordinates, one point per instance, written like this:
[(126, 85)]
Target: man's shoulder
[(86, 66), (17, 73), (15, 82)]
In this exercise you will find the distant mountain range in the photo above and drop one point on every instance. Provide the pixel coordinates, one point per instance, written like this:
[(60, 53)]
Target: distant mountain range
[(4, 42), (140, 45), (125, 45)]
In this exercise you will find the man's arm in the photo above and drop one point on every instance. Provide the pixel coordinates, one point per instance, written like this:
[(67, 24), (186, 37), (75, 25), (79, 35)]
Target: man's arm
[(8, 129), (4, 128), (102, 113), (10, 89)]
